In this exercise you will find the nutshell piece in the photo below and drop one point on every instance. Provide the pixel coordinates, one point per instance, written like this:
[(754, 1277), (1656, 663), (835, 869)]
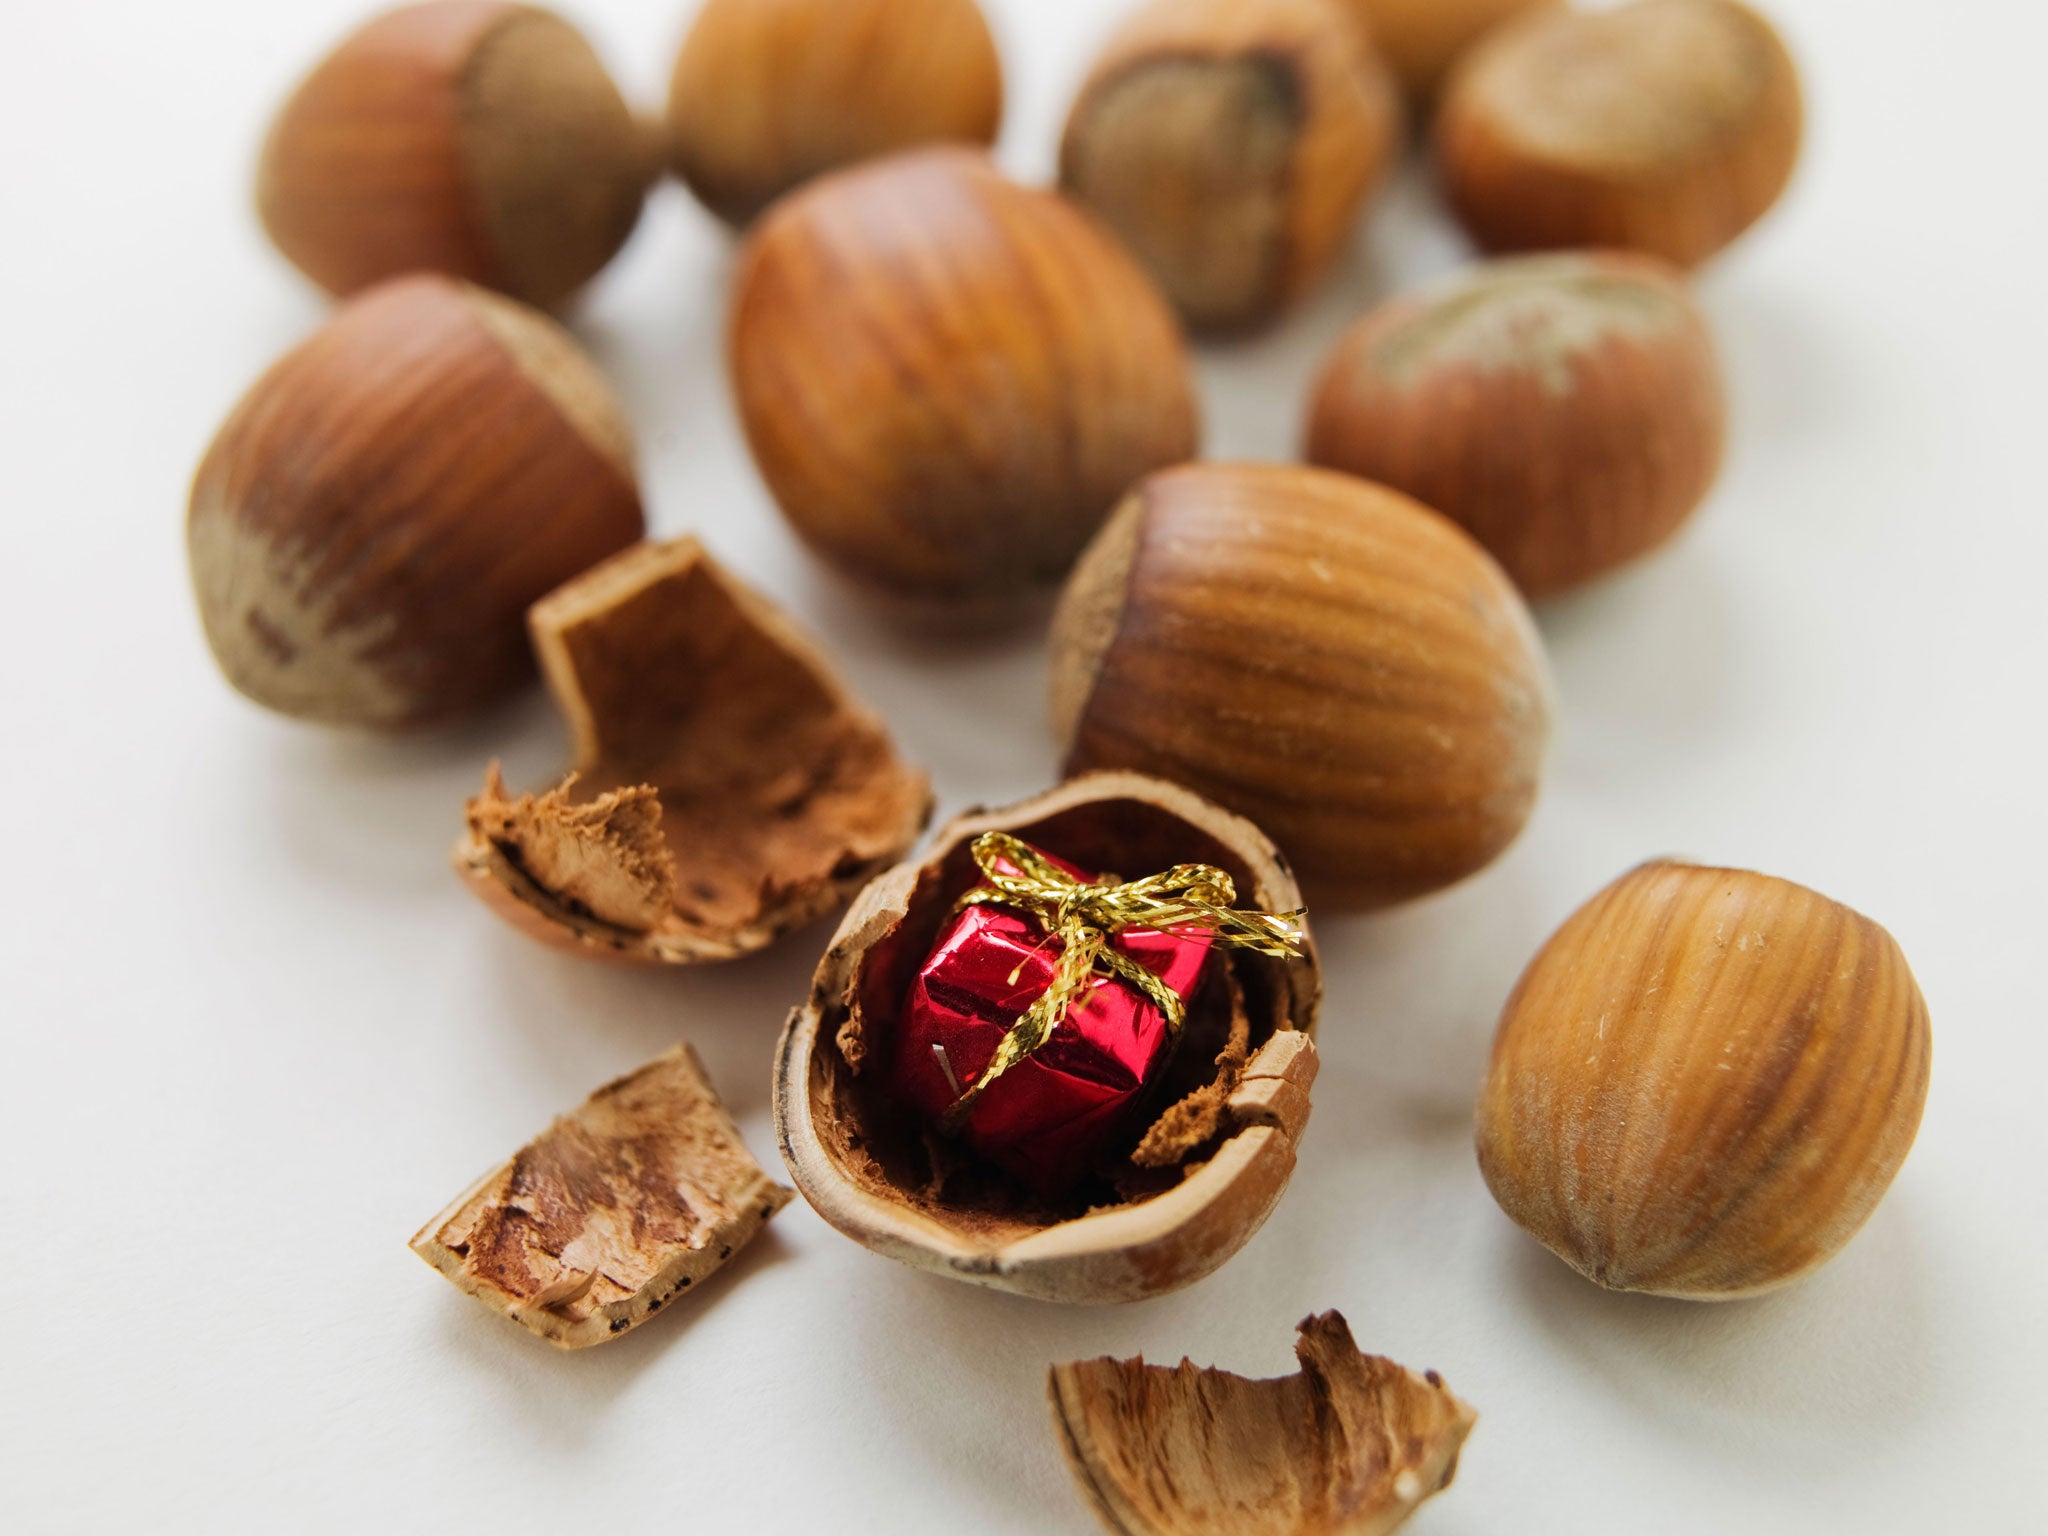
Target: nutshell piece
[(471, 137), (1189, 1190), (1422, 39), (1704, 1083), (1231, 143), (1566, 411), (769, 93), (1348, 1446), (1666, 126), (948, 379), (1318, 653), (373, 519), (727, 786), (611, 1212)]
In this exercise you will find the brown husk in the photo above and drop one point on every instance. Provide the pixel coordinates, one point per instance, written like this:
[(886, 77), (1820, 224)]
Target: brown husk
[(1348, 1446)]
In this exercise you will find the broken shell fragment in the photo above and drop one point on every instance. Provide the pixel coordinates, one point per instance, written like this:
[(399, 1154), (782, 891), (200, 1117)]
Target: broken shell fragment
[(611, 1212), (1191, 1188), (1347, 1446), (727, 789)]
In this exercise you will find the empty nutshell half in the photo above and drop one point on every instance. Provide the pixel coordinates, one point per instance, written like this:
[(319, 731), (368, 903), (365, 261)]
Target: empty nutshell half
[(479, 138), (1350, 1445), (1704, 1083), (727, 786), (613, 1212), (1193, 1188)]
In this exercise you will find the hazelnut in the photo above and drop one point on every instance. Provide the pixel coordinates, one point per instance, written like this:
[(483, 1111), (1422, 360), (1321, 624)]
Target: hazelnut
[(1566, 411), (611, 1212), (1667, 126), (769, 93), (1318, 653), (471, 137), (728, 787), (1704, 1082), (948, 379), (374, 517), (1231, 143), (1349, 1445), (1198, 1183), (1422, 39)]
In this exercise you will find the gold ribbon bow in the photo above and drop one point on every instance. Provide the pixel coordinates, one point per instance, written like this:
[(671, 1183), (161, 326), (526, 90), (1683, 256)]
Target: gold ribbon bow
[(1085, 917)]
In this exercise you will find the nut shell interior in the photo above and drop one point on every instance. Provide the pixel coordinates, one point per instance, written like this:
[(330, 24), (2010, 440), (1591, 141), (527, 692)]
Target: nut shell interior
[(727, 787), (1348, 1446), (1219, 1150)]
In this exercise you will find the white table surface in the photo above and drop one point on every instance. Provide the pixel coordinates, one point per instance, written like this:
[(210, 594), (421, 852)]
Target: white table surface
[(255, 1033)]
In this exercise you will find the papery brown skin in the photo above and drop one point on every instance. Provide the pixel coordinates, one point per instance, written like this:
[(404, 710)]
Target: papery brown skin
[(861, 1159), (1231, 144), (1704, 1083), (1348, 1446), (1422, 39), (1566, 411), (1325, 656), (1666, 126), (610, 1214), (372, 520), (767, 94), (947, 379), (727, 786), (477, 138)]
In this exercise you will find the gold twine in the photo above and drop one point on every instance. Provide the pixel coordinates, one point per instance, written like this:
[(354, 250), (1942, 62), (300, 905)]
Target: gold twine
[(1085, 917)]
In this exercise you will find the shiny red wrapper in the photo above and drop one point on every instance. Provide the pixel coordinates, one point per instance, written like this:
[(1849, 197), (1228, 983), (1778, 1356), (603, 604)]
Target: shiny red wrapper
[(1052, 1115)]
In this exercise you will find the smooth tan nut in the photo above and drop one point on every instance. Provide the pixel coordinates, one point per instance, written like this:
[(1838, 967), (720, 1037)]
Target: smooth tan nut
[(948, 379), (1350, 1445), (372, 520), (1666, 126), (473, 137), (612, 1212), (1566, 411), (1231, 143), (769, 93), (1323, 655), (1422, 39), (728, 786), (1214, 1164), (1704, 1082)]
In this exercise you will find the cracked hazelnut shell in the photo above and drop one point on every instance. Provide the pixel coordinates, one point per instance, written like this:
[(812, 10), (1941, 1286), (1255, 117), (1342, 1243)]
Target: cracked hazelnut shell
[(1566, 411), (613, 1212), (472, 137), (727, 785), (948, 379), (1349, 1445), (769, 93), (1318, 653), (1422, 39), (1231, 144), (1664, 126), (1243, 1070), (1704, 1082), (373, 518)]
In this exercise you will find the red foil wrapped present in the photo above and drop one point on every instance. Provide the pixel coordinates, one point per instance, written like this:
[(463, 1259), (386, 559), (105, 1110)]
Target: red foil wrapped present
[(1050, 1116)]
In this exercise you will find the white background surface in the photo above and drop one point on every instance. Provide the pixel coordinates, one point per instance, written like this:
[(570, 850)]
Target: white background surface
[(255, 1033)]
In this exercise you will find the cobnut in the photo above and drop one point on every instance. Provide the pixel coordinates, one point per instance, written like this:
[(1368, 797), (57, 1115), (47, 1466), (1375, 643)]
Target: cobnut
[(769, 93), (948, 379), (1231, 143), (472, 137), (1422, 39), (1704, 1082), (1204, 1176), (1566, 411), (1667, 126), (374, 517), (1321, 654)]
